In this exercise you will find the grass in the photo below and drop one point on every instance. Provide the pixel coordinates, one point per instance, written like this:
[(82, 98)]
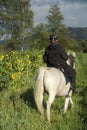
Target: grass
[(18, 110)]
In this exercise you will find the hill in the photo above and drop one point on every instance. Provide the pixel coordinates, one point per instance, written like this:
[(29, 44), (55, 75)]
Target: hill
[(79, 33)]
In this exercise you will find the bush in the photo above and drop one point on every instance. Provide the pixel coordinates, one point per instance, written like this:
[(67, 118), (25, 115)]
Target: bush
[(17, 67)]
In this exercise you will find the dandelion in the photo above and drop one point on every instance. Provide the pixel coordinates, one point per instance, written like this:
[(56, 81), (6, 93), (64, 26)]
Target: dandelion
[(14, 75)]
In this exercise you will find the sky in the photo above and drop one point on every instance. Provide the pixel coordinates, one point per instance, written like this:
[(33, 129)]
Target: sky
[(73, 11)]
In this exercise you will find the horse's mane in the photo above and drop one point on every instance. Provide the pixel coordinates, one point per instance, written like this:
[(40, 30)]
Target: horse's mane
[(71, 60)]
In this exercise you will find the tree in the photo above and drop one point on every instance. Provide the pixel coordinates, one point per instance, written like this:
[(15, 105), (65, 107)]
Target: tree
[(83, 45), (40, 36), (16, 19), (55, 19)]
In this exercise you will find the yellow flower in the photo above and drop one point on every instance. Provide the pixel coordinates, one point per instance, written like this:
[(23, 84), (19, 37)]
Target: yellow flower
[(10, 65), (6, 55), (28, 56), (39, 56), (14, 75), (29, 62), (22, 68), (1, 58), (19, 61)]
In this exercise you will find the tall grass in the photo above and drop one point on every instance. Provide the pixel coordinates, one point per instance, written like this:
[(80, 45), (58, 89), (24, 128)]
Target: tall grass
[(18, 110)]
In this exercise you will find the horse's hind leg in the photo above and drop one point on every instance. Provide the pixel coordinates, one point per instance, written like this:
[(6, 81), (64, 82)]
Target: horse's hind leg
[(67, 99), (71, 102), (66, 103), (49, 102)]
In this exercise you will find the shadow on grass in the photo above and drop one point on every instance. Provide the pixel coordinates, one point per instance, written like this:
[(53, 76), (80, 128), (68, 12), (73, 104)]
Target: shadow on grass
[(28, 98)]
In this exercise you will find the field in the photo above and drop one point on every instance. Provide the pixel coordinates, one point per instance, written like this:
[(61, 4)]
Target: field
[(17, 107)]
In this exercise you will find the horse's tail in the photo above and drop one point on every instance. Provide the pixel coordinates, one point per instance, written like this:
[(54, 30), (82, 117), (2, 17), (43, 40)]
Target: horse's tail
[(39, 89)]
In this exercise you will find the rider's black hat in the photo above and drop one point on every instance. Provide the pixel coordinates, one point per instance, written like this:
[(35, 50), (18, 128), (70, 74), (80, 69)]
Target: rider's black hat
[(52, 36)]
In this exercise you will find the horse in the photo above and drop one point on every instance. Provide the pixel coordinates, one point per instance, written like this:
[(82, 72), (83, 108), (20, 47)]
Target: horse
[(52, 81)]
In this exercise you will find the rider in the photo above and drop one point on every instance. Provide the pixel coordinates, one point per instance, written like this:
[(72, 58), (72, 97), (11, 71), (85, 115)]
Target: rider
[(56, 56)]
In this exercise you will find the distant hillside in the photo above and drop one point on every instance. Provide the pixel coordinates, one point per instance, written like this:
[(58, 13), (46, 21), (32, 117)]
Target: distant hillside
[(79, 33)]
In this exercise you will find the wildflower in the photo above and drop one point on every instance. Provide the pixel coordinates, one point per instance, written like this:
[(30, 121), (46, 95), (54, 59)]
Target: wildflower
[(6, 55), (1, 58), (29, 62), (22, 68), (14, 75), (19, 61), (28, 56), (10, 65), (40, 56)]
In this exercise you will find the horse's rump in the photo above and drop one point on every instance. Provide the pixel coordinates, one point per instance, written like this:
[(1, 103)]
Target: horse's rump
[(55, 82)]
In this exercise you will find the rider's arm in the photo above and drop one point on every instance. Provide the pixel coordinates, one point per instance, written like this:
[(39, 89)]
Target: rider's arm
[(63, 53)]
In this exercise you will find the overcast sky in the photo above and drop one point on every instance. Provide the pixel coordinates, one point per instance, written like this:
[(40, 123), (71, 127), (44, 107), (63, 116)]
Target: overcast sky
[(73, 11)]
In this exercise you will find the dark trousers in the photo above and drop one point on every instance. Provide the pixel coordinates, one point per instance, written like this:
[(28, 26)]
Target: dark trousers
[(70, 72)]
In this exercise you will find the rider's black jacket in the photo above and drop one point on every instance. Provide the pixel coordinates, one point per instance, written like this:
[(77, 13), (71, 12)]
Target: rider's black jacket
[(55, 55)]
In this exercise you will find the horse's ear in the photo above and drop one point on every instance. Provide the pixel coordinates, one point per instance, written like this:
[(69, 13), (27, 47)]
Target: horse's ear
[(74, 54), (68, 53)]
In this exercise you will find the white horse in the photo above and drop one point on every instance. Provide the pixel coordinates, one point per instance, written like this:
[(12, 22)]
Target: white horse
[(52, 81)]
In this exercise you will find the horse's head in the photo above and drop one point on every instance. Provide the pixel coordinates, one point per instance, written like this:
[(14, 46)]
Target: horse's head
[(71, 60)]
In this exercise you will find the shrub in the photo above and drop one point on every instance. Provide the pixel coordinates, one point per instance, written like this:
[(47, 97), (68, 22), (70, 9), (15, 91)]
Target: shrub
[(18, 67)]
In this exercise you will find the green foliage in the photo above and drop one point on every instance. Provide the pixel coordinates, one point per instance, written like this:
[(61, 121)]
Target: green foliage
[(40, 37), (82, 45), (14, 65), (67, 41), (1, 48), (16, 19), (80, 34), (17, 107)]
